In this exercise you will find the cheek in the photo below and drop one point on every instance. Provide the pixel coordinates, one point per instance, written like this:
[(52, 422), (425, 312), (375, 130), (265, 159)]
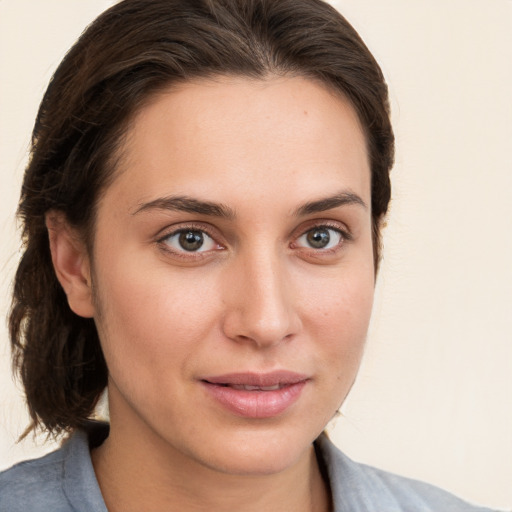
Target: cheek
[(156, 316), (337, 317), (341, 303)]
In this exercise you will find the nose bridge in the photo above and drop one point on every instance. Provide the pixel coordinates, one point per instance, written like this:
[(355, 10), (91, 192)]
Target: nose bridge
[(260, 307)]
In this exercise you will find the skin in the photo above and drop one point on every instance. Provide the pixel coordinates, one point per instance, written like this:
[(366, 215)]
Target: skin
[(256, 296)]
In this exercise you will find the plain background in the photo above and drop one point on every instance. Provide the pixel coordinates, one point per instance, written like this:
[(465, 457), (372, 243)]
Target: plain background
[(434, 395)]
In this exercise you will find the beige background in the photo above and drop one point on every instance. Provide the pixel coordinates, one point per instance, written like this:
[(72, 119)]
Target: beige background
[(434, 396)]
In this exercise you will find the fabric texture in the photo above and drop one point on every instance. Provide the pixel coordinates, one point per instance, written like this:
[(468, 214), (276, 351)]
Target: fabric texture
[(64, 481)]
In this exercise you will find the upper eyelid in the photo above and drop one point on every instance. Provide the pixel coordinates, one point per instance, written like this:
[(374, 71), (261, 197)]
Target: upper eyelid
[(179, 227), (181, 230), (330, 224)]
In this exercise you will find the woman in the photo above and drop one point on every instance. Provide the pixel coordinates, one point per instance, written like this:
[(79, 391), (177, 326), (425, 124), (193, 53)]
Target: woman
[(202, 217)]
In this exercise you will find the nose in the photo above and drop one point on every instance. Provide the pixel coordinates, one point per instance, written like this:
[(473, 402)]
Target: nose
[(260, 304)]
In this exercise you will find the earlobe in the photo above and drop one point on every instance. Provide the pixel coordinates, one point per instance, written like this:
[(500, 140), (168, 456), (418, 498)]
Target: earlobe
[(71, 263)]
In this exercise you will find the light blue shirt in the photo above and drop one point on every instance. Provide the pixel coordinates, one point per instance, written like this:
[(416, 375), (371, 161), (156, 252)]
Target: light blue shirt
[(64, 481)]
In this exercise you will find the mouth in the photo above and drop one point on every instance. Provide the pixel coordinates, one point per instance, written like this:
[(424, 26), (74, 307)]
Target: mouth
[(249, 387), (256, 395)]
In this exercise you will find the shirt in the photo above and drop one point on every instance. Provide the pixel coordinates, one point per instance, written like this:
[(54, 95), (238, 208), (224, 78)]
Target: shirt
[(64, 481)]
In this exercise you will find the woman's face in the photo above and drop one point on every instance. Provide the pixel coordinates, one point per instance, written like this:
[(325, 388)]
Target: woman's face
[(233, 271)]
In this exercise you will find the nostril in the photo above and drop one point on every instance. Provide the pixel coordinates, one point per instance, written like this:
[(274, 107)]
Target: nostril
[(264, 318)]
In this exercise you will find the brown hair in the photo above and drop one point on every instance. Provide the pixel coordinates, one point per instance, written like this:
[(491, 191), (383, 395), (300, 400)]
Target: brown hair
[(132, 51)]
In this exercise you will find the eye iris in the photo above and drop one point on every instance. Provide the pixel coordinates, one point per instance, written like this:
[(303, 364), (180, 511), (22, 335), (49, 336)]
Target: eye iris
[(318, 238), (191, 240)]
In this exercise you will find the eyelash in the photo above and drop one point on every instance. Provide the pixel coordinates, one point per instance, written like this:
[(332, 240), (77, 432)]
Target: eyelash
[(163, 241)]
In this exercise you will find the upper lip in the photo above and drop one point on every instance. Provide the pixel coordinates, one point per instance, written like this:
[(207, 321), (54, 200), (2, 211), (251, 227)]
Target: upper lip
[(278, 377)]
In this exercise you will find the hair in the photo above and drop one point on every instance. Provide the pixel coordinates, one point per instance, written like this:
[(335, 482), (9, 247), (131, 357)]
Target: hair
[(131, 52)]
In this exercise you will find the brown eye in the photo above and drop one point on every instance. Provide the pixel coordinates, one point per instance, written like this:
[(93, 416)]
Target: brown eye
[(190, 240), (320, 237)]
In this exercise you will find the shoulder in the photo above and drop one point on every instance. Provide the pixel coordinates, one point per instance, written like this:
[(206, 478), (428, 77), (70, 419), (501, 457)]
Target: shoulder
[(34, 485), (62, 481), (360, 487)]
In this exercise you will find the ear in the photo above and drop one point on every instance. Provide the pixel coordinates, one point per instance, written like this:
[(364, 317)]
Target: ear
[(71, 263)]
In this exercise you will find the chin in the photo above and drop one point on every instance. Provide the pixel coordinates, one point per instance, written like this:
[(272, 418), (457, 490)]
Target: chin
[(258, 453), (258, 464)]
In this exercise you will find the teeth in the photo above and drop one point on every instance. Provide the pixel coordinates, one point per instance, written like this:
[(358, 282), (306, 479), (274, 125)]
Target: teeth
[(247, 387)]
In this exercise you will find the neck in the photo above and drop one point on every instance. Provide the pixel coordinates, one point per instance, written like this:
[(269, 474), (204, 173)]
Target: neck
[(147, 474)]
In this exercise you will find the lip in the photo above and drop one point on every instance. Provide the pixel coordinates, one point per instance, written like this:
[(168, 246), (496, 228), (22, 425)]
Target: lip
[(229, 390)]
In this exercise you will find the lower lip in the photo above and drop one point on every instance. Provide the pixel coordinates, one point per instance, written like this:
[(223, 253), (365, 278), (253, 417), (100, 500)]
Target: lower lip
[(256, 404)]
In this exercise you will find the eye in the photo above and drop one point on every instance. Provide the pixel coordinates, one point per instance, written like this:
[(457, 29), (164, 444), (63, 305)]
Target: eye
[(189, 240), (321, 237)]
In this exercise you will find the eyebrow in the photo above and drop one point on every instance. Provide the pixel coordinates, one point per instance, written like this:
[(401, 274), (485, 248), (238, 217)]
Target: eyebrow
[(191, 205), (187, 204), (329, 203)]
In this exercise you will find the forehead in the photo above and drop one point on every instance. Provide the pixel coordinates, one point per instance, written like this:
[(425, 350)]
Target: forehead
[(282, 131)]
